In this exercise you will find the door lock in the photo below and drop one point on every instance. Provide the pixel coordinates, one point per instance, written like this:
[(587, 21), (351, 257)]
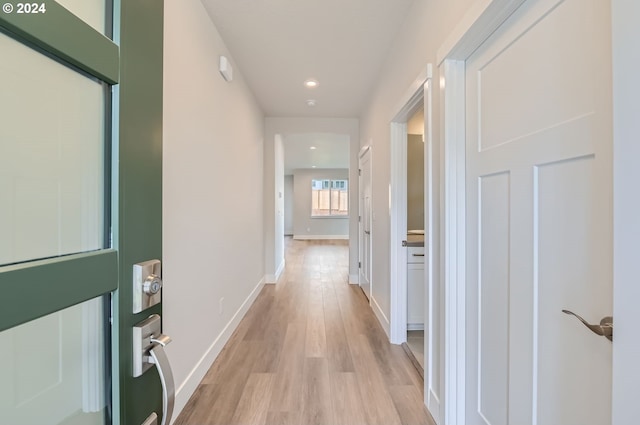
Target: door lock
[(152, 285), (147, 285)]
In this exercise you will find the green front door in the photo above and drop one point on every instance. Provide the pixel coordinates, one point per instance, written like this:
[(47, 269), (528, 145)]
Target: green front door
[(80, 204)]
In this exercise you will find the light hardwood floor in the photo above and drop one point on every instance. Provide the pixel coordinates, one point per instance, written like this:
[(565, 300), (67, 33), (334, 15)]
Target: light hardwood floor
[(309, 352)]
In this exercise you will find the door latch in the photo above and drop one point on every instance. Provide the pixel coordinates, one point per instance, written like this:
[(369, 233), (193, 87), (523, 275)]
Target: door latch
[(605, 328), (148, 350)]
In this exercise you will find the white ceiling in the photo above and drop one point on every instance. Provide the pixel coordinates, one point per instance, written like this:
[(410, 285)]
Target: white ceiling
[(332, 151), (278, 44)]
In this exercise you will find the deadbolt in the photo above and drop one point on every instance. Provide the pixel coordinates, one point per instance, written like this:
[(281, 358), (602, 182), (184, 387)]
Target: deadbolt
[(152, 285), (147, 285)]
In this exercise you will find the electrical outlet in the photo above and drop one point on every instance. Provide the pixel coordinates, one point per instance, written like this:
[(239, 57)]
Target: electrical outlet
[(221, 310)]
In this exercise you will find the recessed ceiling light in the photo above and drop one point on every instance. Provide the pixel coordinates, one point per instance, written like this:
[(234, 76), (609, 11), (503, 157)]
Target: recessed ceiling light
[(313, 166), (311, 83), (311, 102), (312, 147)]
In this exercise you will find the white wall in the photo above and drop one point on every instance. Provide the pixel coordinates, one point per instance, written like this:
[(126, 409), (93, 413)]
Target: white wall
[(415, 182), (306, 227), (427, 25), (284, 126), (288, 205), (626, 92), (213, 199)]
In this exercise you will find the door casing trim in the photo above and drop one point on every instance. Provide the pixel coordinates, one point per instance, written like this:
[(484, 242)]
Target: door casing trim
[(477, 25), (414, 97)]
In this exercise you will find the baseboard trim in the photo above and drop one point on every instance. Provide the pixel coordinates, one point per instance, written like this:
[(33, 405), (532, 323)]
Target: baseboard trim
[(382, 318), (319, 237), (273, 278), (280, 270), (413, 359), (433, 405), (353, 279), (188, 387)]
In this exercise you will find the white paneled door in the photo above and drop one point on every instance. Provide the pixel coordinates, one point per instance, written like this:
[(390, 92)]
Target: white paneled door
[(539, 224), (365, 222)]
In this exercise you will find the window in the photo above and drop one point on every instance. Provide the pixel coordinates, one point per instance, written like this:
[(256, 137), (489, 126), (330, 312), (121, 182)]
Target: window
[(329, 198)]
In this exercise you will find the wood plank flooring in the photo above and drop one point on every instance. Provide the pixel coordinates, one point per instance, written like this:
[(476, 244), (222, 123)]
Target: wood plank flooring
[(309, 352)]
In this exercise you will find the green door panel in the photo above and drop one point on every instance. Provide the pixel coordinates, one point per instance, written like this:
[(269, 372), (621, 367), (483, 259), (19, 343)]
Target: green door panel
[(54, 284), (63, 35), (139, 183)]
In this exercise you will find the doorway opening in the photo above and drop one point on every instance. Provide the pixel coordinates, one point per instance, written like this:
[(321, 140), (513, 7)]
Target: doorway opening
[(316, 186), (415, 238), (410, 217), (281, 136), (417, 264)]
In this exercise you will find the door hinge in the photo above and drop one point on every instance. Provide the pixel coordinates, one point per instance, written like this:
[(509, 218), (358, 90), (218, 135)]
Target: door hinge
[(359, 264), (359, 217), (359, 172)]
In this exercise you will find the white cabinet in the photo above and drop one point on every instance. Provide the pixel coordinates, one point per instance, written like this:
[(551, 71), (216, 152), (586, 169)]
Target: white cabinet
[(415, 288)]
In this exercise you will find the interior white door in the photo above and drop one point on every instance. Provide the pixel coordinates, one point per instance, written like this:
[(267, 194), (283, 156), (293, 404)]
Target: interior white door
[(539, 225), (365, 223)]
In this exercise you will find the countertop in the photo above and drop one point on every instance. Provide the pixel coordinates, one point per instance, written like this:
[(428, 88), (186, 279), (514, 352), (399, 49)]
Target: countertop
[(415, 240)]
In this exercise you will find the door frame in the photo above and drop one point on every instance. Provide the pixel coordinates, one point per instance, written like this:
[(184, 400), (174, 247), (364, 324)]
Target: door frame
[(420, 92), (415, 96), (484, 18), (626, 225)]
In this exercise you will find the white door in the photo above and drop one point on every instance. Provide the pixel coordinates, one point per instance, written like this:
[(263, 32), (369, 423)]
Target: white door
[(365, 222), (539, 225)]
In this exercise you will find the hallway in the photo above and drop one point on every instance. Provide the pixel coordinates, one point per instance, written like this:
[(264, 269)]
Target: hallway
[(309, 351)]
